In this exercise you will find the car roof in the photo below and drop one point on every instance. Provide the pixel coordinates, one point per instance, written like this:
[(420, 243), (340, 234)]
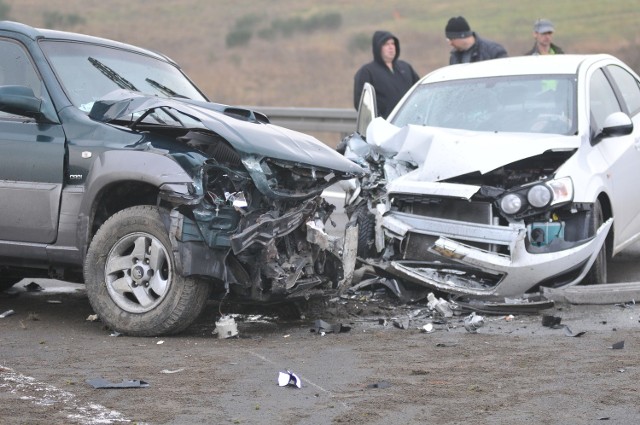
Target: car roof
[(516, 65), (49, 34)]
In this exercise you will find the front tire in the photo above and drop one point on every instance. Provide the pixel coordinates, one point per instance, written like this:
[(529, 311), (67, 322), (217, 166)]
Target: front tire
[(598, 272), (131, 278), (366, 231)]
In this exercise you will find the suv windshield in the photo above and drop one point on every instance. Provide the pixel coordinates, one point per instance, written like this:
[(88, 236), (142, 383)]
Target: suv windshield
[(89, 71), (530, 104)]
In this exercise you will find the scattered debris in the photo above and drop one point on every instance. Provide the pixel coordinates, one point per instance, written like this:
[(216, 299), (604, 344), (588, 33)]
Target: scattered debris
[(93, 318), (528, 305), (54, 301), (160, 342), (381, 384), (167, 371), (617, 346), (509, 318), (473, 322), (427, 328), (115, 333), (395, 286), (7, 314), (100, 383), (568, 332), (289, 379), (551, 321), (401, 323), (321, 327), (33, 287), (440, 305), (226, 327), (629, 304)]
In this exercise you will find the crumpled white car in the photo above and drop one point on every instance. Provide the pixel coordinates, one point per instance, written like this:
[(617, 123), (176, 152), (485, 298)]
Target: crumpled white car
[(495, 178)]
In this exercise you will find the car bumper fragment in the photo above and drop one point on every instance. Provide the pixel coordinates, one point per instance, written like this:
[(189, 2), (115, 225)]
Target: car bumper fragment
[(483, 273)]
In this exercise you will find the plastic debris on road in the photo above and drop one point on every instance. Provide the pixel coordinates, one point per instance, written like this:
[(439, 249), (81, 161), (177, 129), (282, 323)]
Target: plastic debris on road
[(226, 327), (101, 383), (473, 322), (289, 379), (7, 314), (440, 305)]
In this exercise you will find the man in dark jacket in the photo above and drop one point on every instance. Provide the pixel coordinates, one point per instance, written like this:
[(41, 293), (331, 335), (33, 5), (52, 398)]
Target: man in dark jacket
[(543, 33), (387, 74), (467, 45)]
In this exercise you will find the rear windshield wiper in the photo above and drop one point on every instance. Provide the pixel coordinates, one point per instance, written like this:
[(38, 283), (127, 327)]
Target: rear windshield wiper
[(122, 82), (164, 89)]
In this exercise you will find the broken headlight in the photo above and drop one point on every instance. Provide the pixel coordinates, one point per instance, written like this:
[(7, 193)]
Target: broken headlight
[(533, 198)]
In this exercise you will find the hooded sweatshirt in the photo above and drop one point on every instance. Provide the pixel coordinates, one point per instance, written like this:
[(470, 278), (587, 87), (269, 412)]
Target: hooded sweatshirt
[(390, 85)]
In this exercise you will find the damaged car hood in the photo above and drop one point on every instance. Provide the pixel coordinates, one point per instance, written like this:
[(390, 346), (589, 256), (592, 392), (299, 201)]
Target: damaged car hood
[(246, 131), (441, 154)]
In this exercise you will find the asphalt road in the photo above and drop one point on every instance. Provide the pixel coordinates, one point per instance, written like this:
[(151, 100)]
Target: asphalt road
[(512, 371)]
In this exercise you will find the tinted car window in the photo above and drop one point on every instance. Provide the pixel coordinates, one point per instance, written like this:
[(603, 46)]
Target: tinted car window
[(89, 72), (602, 99), (629, 87), (16, 69)]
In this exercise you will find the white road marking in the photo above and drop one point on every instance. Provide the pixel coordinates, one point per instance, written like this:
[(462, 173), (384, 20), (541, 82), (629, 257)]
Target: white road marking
[(28, 389)]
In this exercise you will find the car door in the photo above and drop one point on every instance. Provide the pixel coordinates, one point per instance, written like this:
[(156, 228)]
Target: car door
[(614, 89), (32, 157)]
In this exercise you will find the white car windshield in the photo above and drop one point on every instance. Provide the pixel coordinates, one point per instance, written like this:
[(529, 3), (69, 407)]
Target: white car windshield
[(89, 71), (529, 104)]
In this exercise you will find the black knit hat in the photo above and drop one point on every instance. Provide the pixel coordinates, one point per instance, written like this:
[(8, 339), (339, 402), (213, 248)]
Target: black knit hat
[(457, 27)]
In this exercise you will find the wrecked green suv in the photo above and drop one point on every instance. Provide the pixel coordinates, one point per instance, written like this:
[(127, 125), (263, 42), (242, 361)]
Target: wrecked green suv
[(116, 170)]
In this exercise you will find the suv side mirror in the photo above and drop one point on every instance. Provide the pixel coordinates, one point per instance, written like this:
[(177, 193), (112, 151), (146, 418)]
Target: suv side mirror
[(19, 100), (367, 109)]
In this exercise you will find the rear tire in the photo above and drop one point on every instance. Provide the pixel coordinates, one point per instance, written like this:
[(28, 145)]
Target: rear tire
[(131, 278), (598, 272)]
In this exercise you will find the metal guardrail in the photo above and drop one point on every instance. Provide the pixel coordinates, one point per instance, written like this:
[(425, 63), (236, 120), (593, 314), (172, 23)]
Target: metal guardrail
[(311, 119)]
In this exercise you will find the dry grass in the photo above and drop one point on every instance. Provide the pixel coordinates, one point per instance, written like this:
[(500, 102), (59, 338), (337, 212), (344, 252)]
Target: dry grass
[(316, 70)]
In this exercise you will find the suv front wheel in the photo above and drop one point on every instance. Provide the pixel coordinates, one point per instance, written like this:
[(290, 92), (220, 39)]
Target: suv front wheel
[(131, 279)]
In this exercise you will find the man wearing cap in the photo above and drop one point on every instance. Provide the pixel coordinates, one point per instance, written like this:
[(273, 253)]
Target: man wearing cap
[(467, 45), (389, 76), (543, 33)]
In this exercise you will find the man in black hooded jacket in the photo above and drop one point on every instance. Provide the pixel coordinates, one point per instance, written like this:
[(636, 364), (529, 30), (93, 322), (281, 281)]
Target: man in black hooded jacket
[(390, 76)]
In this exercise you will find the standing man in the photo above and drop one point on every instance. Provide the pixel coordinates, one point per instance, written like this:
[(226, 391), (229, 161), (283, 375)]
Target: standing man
[(543, 33), (467, 45), (390, 76)]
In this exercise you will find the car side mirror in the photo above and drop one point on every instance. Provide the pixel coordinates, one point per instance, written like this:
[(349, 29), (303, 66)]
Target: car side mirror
[(617, 124), (367, 109), (19, 100)]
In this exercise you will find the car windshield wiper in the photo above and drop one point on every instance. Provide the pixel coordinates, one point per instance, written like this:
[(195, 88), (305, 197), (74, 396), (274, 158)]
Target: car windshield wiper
[(122, 82), (164, 89)]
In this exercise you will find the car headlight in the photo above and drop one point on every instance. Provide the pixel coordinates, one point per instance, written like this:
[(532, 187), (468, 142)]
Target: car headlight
[(530, 199), (562, 190), (511, 204), (539, 196)]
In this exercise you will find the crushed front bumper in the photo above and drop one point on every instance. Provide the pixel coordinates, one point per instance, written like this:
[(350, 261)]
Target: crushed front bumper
[(468, 270)]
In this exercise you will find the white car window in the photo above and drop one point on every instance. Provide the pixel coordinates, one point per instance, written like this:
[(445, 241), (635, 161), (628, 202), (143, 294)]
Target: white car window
[(528, 104), (629, 88), (602, 99)]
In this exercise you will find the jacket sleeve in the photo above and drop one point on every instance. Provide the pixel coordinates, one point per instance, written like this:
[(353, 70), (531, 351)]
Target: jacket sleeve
[(414, 75), (500, 52)]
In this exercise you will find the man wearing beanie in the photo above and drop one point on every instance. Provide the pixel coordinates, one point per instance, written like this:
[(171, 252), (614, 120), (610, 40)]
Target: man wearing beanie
[(467, 45), (387, 74)]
